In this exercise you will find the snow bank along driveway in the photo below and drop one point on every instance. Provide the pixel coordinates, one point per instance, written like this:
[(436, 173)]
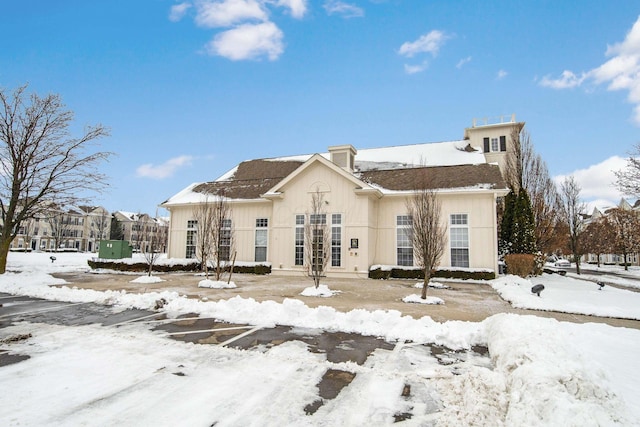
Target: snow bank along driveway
[(540, 371)]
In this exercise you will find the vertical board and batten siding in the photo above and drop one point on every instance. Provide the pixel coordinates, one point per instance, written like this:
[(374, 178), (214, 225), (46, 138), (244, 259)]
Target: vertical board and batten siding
[(243, 220), (480, 208), (364, 217), (338, 193)]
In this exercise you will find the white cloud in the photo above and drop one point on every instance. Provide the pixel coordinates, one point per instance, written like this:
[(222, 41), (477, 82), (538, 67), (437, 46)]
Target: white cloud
[(413, 69), (178, 11), (346, 10), (597, 182), (621, 72), (566, 81), (298, 8), (501, 74), (164, 170), (463, 61), (248, 41), (427, 43), (226, 13)]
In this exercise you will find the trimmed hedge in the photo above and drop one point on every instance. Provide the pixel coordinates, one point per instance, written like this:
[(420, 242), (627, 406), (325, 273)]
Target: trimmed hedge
[(403, 273), (259, 269)]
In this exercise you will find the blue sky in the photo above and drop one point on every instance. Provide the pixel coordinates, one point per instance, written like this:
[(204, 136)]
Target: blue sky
[(189, 89)]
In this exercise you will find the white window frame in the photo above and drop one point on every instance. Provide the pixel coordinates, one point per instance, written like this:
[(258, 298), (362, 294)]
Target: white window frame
[(298, 241), (261, 239), (459, 239), (404, 246), (191, 239), (336, 240)]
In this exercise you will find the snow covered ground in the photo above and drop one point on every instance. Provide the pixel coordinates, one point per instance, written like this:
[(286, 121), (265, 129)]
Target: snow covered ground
[(607, 274), (569, 295), (542, 372)]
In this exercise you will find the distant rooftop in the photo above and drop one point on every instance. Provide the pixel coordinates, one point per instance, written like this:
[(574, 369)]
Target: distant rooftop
[(490, 121)]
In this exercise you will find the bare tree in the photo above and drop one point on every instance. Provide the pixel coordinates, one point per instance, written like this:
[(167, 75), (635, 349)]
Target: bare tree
[(206, 222), (626, 229), (317, 239), (59, 224), (151, 243), (573, 210), (100, 226), (598, 238), (40, 160), (214, 231), (139, 232), (526, 169), (628, 179), (426, 232)]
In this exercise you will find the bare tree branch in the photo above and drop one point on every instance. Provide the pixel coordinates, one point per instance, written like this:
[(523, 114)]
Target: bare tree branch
[(427, 233), (628, 179), (40, 161), (317, 238), (573, 210)]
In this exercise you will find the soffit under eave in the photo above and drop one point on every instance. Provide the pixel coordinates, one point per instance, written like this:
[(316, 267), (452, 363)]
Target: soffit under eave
[(327, 163)]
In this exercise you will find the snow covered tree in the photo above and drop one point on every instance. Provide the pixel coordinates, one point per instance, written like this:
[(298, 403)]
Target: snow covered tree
[(317, 239), (426, 232), (40, 160), (574, 216)]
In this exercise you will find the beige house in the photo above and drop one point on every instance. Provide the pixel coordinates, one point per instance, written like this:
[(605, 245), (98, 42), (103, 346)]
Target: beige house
[(365, 194), (143, 231)]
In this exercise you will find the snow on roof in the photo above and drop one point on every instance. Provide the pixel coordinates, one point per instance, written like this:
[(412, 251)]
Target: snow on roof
[(451, 153), (186, 196)]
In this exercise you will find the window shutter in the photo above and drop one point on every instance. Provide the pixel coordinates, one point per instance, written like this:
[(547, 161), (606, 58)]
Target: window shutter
[(503, 143), (486, 145)]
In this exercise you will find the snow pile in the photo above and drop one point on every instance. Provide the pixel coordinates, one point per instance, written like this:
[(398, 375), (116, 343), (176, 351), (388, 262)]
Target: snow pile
[(417, 299), (320, 291), (147, 279), (569, 295), (216, 284), (433, 284), (547, 381)]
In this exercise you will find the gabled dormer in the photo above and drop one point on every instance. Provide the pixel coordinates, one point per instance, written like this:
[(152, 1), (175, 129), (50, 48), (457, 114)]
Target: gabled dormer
[(343, 156)]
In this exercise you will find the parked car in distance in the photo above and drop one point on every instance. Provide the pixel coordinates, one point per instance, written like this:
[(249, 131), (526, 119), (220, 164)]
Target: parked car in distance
[(562, 263)]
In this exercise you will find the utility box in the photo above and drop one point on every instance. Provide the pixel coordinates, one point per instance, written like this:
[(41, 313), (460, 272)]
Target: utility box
[(115, 249)]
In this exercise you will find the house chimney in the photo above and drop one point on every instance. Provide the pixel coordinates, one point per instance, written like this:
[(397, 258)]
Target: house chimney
[(343, 156)]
